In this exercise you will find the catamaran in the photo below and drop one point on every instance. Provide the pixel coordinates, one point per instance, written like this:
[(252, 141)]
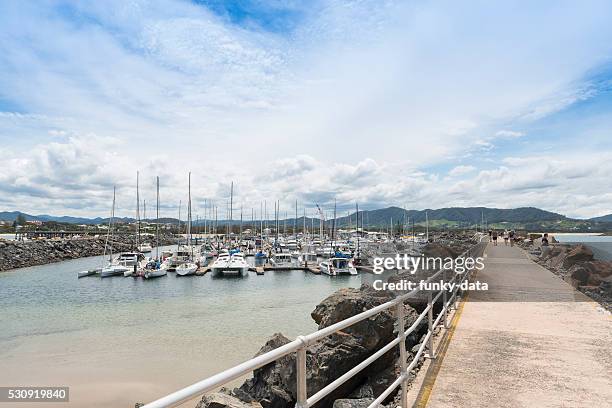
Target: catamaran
[(230, 264)]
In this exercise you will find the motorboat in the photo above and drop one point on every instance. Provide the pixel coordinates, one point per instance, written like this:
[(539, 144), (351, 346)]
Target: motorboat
[(282, 260), (338, 266), (178, 257), (132, 261)]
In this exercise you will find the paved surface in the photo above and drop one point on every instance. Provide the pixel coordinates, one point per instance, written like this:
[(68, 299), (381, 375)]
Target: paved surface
[(535, 342)]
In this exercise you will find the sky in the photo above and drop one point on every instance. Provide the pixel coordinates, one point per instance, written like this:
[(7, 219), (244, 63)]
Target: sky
[(414, 104)]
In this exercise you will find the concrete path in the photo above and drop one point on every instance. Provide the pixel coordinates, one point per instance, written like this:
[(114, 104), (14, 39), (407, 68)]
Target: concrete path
[(532, 341)]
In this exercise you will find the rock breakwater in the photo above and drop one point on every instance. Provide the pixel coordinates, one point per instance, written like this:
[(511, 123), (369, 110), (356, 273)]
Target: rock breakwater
[(578, 267), (20, 254)]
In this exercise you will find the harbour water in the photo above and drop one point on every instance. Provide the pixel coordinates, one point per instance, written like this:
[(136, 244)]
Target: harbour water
[(117, 341), (601, 245)]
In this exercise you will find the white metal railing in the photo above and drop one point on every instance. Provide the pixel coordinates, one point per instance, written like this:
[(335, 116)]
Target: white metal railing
[(301, 343)]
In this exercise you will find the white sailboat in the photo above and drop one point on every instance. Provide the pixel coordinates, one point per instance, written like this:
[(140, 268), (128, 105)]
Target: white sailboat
[(188, 267), (113, 268), (160, 269)]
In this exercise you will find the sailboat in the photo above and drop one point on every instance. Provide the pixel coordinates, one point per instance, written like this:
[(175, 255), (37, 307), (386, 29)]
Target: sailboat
[(188, 268), (158, 270), (134, 260), (113, 268)]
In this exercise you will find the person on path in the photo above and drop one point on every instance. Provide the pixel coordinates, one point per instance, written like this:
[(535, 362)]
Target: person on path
[(494, 238), (511, 234), (506, 237)]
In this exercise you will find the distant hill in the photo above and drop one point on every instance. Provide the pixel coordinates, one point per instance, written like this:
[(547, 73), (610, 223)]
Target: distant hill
[(12, 216), (464, 215), (603, 218), (453, 217)]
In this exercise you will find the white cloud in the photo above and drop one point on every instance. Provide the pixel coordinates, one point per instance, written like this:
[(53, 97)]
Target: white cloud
[(461, 170), (511, 134), (355, 102)]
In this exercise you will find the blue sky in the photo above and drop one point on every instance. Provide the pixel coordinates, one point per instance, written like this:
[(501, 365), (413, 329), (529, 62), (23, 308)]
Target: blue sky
[(419, 104)]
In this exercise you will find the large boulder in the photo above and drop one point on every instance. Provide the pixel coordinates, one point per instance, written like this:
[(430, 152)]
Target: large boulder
[(269, 384), (221, 400), (353, 403), (578, 275), (579, 253), (601, 268)]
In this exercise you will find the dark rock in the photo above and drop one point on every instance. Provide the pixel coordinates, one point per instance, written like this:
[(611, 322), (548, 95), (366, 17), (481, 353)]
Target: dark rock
[(578, 275), (580, 253), (353, 403), (436, 250), (221, 400)]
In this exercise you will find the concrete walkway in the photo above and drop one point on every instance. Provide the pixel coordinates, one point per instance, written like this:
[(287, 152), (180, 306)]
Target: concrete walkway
[(532, 341)]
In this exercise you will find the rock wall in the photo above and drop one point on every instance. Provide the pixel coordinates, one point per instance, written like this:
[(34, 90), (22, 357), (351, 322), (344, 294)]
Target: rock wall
[(20, 254), (577, 266)]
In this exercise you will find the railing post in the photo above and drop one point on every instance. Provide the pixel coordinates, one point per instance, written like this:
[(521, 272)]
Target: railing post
[(302, 394), (430, 320), (402, 348), (444, 299)]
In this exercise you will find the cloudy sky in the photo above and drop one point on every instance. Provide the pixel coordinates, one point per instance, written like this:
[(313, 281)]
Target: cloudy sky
[(415, 104)]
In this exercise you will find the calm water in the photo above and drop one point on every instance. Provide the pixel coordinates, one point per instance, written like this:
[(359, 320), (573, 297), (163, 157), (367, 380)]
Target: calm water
[(599, 244), (118, 340)]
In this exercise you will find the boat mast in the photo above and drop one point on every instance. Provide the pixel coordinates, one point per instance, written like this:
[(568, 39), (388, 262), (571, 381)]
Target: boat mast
[(231, 209), (357, 228), (157, 224), (178, 242), (295, 221), (110, 229), (189, 237), (137, 211)]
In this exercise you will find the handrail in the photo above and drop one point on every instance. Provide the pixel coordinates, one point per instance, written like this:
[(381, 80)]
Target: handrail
[(300, 344)]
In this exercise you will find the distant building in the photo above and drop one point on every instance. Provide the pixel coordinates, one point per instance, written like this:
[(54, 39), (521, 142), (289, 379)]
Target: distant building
[(35, 222)]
